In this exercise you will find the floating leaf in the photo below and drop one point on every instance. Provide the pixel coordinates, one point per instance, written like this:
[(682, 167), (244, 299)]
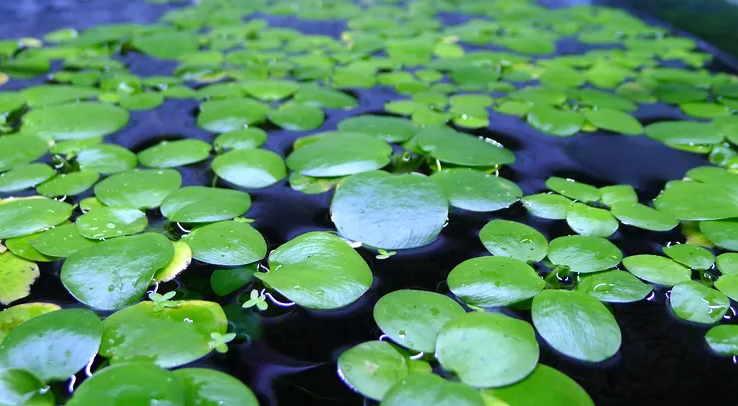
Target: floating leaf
[(109, 222), (584, 254), (657, 270), (695, 302), (24, 177), (22, 247), (270, 89), (115, 273), (727, 263), (42, 95), (689, 200), (494, 281), (106, 159), (19, 387), (61, 241), (467, 343), (723, 339), (614, 287), (573, 189), (547, 205), (586, 220), (607, 100), (544, 386), (340, 154), (413, 318), (728, 284), (470, 189), (174, 153), (226, 281), (318, 270), (297, 117), (457, 148), (545, 95), (226, 243), (142, 101), (68, 184), (139, 188), (54, 345), (230, 114), (550, 120), (690, 255), (14, 316), (389, 211), (618, 194), (74, 121), (723, 233), (17, 150), (324, 97), (208, 387), (16, 277), (429, 389), (170, 337), (642, 216), (576, 324), (705, 109), (198, 204), (180, 261), (615, 121), (166, 44), (683, 132), (512, 239), (250, 168), (21, 217), (251, 137)]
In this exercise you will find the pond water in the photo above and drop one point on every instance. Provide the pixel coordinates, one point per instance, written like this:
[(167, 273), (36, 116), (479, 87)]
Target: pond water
[(292, 359)]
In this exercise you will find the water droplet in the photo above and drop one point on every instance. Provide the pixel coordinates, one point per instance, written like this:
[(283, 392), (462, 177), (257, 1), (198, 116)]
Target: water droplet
[(110, 225)]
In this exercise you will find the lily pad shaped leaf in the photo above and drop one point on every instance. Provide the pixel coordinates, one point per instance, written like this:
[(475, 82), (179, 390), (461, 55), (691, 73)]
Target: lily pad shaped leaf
[(297, 117), (106, 159), (340, 154), (723, 339), (573, 189), (586, 220), (551, 120), (473, 190), (429, 389), (40, 95), (61, 241), (318, 270), (180, 261), (24, 177), (226, 281), (506, 238), (494, 281), (139, 188), (20, 387), (373, 367), (389, 211), (618, 194), (175, 153), (198, 204), (453, 147), (576, 324), (545, 386), (68, 184), (16, 150), (690, 200), (16, 277), (207, 387), (142, 101), (642, 216), (723, 233), (250, 168), (220, 116), (116, 273), (252, 137), (614, 121), (270, 89), (169, 337), (136, 383), (584, 254), (54, 345), (684, 132), (166, 44), (547, 205), (413, 318), (13, 317), (727, 263), (74, 121), (325, 97), (488, 349), (226, 243), (656, 269), (388, 128), (21, 217), (109, 222), (690, 255), (614, 287), (695, 302)]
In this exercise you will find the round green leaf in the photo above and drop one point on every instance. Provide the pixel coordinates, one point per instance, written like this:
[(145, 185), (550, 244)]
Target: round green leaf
[(723, 233), (166, 43), (226, 243), (318, 270), (705, 109), (576, 324), (470, 189), (142, 101), (618, 194), (614, 287), (488, 349), (42, 95), (601, 99), (75, 121), (175, 153), (109, 222), (727, 263), (180, 261), (413, 318), (545, 386), (74, 147), (16, 150), (54, 345), (297, 117), (690, 200), (16, 277), (695, 302), (130, 384), (429, 389), (573, 189), (207, 387), (19, 387), (250, 168), (547, 205), (21, 217), (584, 254), (270, 89), (115, 273), (550, 120), (13, 317), (220, 116), (494, 281), (586, 220), (728, 284), (684, 132), (642, 216), (340, 154), (388, 128), (169, 337), (139, 188), (24, 177), (68, 184), (723, 339), (106, 159), (657, 270), (512, 239), (23, 247), (61, 241), (198, 204), (251, 137), (457, 148), (389, 211), (325, 97), (690, 255), (614, 121), (227, 281)]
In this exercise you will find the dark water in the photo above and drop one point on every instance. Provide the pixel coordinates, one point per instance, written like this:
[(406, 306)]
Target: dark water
[(292, 363)]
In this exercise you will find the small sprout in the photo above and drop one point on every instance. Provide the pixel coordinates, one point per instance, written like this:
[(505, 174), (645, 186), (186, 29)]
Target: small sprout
[(162, 302), (256, 300), (219, 342), (384, 254)]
